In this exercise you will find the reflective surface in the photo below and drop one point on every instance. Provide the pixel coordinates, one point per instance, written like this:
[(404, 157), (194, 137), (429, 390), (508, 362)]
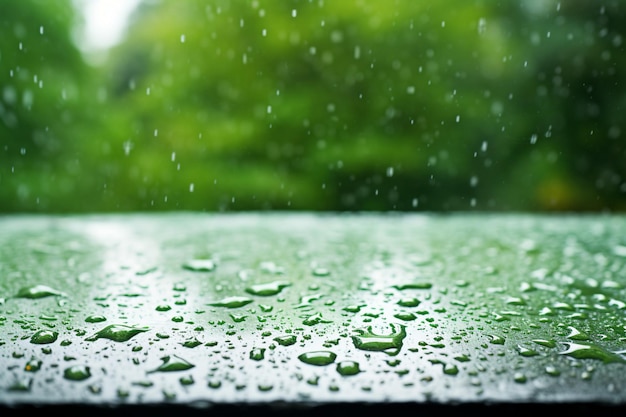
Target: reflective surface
[(296, 308)]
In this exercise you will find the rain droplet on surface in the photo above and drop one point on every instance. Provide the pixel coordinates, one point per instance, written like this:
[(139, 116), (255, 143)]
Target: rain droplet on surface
[(173, 363), (186, 380), (267, 289), (232, 302), (320, 272), (348, 368), (191, 343), (450, 369), (526, 352), (117, 333), (43, 337), (405, 316), (590, 351), (38, 291), (33, 365), (576, 334), (257, 354), (413, 286), (286, 340), (95, 319), (77, 373), (200, 265), (495, 339), (409, 302), (545, 343), (315, 319), (390, 344), (22, 385), (318, 358)]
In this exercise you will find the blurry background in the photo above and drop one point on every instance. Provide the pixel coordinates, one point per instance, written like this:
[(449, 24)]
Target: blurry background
[(403, 105)]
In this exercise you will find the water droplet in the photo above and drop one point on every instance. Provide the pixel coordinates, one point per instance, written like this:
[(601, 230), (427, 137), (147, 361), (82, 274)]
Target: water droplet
[(347, 368), (77, 373), (117, 333), (450, 369), (95, 319), (318, 358), (43, 337), (214, 384), (38, 291), (200, 265), (552, 371), (405, 316), (270, 267), (173, 363), (413, 286), (286, 340), (267, 289), (409, 302), (563, 306), (546, 343), (315, 319), (589, 351), (520, 378), (191, 343), (390, 344), (576, 334), (526, 352), (238, 318), (232, 302), (33, 365), (320, 272), (495, 339), (257, 354), (186, 380)]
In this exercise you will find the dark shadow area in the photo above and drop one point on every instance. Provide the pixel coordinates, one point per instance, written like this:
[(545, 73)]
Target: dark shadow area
[(323, 410)]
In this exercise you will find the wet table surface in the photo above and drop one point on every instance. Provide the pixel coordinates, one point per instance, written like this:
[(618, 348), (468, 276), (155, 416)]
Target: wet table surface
[(304, 312)]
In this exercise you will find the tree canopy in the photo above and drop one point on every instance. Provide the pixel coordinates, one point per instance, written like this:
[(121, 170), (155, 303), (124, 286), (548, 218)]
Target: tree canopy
[(317, 105)]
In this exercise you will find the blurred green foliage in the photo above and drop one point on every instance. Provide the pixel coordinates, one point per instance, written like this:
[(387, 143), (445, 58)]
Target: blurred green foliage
[(317, 105)]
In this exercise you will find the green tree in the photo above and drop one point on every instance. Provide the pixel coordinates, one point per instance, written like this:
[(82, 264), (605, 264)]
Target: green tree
[(566, 107), (317, 105), (42, 102), (306, 105)]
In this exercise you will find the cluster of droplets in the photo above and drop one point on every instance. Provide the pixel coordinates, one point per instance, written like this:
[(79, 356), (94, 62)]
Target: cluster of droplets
[(415, 331)]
